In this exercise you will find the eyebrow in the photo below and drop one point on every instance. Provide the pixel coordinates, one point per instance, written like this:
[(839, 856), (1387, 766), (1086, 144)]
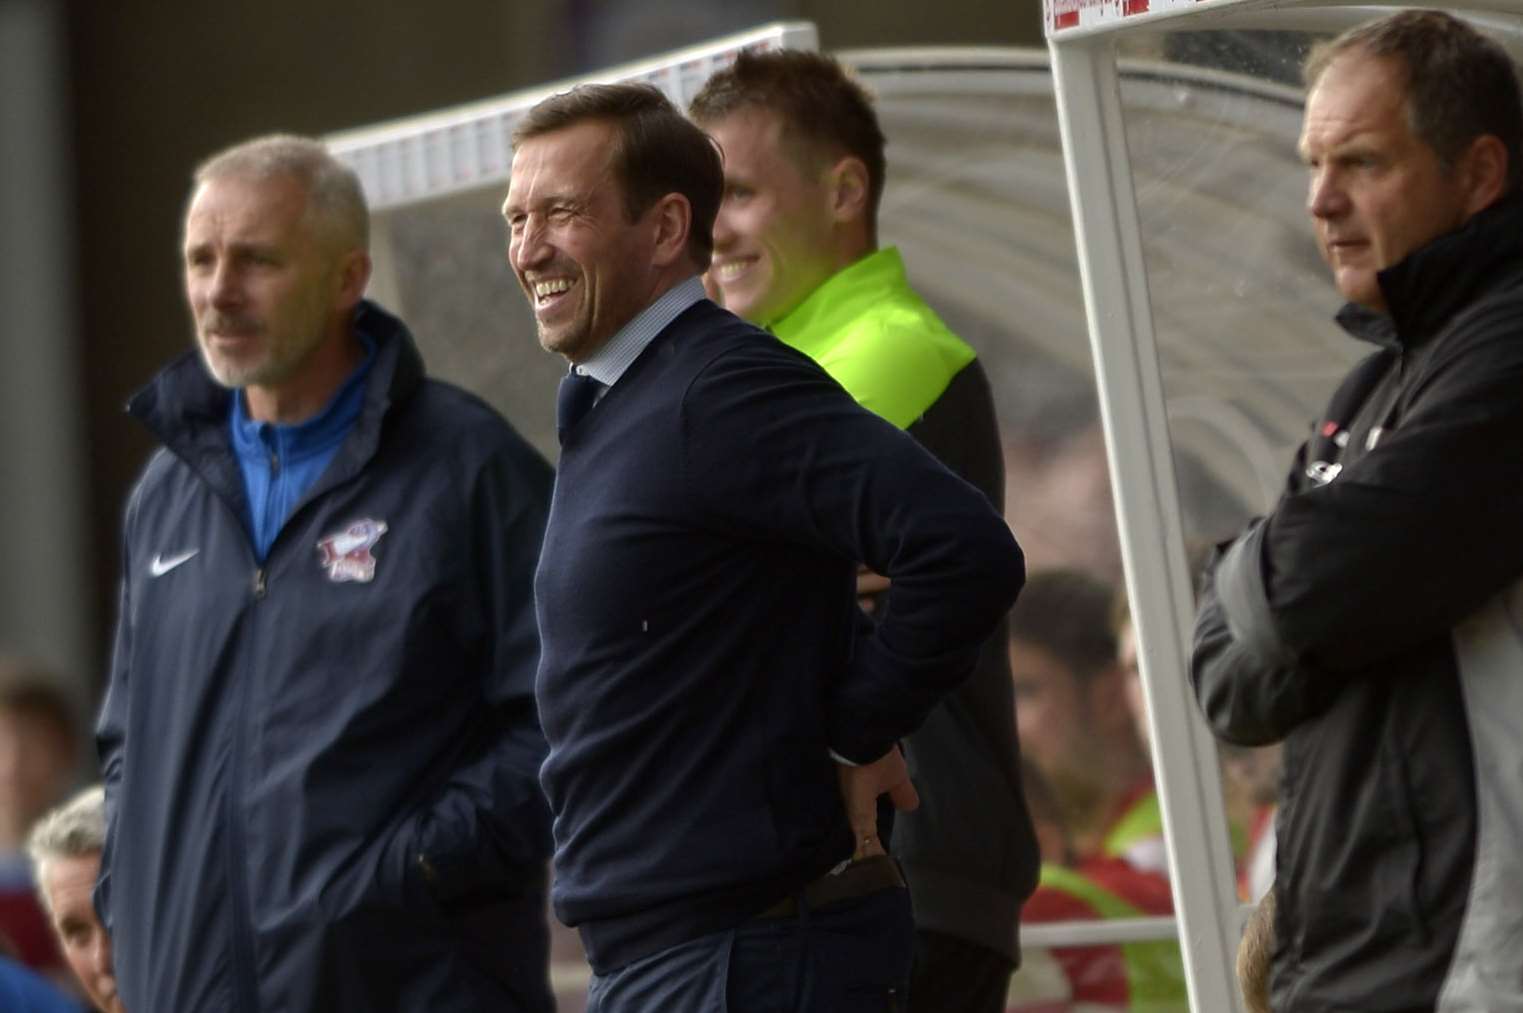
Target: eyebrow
[(240, 247), (575, 201)]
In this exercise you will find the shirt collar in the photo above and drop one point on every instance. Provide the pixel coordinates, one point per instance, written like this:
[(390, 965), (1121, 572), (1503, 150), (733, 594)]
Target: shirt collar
[(609, 362)]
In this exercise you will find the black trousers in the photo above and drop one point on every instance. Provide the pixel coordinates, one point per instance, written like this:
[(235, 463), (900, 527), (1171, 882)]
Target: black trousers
[(952, 975)]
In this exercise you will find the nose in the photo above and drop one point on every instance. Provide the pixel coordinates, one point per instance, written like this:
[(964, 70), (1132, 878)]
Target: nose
[(224, 288), (724, 229), (1325, 196), (527, 247), (100, 956)]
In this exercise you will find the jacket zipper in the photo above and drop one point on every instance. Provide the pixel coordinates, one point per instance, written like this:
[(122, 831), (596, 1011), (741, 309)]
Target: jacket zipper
[(245, 979)]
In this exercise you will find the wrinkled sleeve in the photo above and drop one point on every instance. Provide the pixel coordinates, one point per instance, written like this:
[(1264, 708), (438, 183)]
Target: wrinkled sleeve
[(1249, 692), (1414, 535), (111, 725), (1408, 539), (818, 470)]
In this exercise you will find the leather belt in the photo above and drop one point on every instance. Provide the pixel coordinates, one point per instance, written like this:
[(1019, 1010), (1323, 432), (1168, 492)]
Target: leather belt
[(860, 878)]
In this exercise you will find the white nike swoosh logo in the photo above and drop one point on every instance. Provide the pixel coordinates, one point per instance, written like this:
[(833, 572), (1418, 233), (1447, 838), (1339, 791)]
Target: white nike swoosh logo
[(159, 566)]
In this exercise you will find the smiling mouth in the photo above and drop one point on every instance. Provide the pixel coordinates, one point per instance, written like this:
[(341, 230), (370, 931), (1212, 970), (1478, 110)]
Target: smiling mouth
[(549, 291), (731, 270), (555, 286)]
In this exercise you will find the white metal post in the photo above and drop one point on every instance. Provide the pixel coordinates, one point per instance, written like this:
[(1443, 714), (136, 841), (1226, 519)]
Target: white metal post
[(1147, 508)]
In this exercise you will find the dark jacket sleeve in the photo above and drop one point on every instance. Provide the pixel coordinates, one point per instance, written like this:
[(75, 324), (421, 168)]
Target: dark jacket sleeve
[(1409, 538), (819, 470), (1418, 532), (1250, 693), (960, 429), (111, 726), (490, 827)]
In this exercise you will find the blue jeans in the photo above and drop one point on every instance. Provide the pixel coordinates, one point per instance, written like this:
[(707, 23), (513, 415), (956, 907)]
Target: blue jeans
[(852, 957)]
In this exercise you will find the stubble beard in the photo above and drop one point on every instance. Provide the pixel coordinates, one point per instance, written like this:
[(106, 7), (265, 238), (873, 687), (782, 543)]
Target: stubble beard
[(270, 366), (565, 341)]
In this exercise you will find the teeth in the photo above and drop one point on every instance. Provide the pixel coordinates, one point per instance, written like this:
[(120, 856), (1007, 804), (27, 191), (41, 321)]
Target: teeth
[(555, 286), (733, 269)]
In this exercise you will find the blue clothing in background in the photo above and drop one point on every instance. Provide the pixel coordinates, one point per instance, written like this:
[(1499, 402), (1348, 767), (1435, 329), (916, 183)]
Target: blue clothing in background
[(280, 463), (22, 991)]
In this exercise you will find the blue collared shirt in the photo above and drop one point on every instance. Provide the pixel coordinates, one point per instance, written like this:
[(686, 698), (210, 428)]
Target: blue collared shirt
[(608, 363), (280, 462)]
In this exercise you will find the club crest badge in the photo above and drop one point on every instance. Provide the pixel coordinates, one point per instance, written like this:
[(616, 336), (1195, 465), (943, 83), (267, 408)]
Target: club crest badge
[(346, 554)]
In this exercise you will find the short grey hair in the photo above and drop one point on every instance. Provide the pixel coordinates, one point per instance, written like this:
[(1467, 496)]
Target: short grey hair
[(76, 829), (335, 198)]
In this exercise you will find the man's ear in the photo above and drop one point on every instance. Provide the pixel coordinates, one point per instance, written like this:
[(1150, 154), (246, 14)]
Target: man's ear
[(849, 189), (672, 218), (353, 276), (1484, 173)]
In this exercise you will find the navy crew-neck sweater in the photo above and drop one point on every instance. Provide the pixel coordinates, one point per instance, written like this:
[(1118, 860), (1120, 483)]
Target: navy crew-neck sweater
[(702, 651)]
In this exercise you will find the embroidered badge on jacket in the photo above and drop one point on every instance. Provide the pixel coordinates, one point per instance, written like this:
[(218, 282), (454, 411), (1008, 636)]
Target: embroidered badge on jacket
[(346, 554)]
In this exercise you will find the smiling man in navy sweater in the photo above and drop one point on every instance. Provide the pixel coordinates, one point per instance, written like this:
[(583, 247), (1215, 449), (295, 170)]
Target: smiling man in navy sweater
[(722, 718)]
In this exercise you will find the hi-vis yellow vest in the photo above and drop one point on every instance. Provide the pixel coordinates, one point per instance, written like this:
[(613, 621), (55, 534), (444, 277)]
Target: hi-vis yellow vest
[(877, 338)]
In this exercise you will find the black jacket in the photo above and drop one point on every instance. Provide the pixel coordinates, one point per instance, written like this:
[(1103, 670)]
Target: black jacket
[(1372, 621), (321, 777), (969, 851)]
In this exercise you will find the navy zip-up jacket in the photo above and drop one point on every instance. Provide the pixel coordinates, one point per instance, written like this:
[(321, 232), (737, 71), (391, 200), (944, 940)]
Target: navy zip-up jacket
[(321, 771), (702, 648)]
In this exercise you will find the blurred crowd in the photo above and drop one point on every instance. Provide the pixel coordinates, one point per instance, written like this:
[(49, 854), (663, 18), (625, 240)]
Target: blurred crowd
[(1088, 778), (54, 954)]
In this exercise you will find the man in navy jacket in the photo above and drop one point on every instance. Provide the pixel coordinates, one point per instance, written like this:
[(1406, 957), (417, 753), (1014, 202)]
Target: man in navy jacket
[(722, 717), (320, 744)]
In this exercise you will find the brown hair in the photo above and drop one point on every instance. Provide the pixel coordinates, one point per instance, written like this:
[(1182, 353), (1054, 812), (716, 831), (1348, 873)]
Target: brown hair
[(1068, 614), (660, 151), (1460, 84), (31, 690), (825, 111)]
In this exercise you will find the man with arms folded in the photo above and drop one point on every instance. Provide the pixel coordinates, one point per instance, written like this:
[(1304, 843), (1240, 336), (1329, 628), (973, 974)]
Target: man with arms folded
[(320, 744), (796, 251), (1371, 619), (65, 849), (703, 652)]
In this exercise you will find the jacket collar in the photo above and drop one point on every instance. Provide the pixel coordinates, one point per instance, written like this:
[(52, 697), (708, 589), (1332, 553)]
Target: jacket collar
[(1434, 282), (188, 411)]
